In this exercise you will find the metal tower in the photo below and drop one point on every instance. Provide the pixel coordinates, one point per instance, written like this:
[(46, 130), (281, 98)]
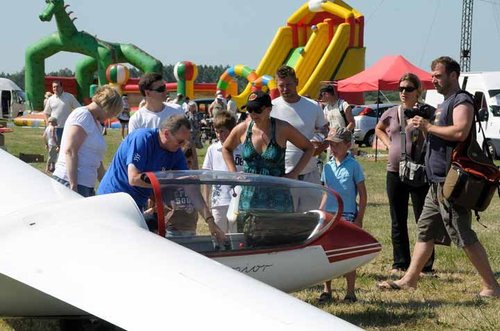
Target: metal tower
[(466, 35)]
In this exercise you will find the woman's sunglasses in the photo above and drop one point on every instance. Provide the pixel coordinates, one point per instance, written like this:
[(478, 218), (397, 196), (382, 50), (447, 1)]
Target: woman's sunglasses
[(159, 89), (257, 111), (406, 88)]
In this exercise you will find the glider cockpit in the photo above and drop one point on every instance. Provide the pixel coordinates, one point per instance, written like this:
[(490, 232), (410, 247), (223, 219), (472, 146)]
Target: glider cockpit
[(263, 212)]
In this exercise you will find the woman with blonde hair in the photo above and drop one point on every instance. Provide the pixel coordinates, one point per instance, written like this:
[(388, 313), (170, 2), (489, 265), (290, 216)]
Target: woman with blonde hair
[(79, 164)]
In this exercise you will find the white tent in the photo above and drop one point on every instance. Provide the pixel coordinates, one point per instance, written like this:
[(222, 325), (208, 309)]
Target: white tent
[(7, 84)]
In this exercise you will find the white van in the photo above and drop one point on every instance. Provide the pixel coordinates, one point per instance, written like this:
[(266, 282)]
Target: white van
[(12, 99), (486, 83)]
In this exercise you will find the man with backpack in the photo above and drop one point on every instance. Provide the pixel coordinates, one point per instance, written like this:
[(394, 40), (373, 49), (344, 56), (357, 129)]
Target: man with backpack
[(337, 112), (442, 221)]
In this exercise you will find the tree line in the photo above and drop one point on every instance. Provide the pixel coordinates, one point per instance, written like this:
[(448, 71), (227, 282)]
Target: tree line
[(206, 74)]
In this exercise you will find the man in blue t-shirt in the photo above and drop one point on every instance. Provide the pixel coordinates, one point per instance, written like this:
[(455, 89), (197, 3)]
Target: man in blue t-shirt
[(143, 151), (149, 150)]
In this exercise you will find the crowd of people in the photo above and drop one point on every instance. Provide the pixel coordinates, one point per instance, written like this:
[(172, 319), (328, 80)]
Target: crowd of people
[(279, 138)]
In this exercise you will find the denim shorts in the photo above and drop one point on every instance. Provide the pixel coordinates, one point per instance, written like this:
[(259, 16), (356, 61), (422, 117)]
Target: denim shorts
[(82, 190)]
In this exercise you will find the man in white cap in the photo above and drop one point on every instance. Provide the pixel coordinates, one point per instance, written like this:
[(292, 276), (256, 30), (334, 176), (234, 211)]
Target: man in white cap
[(218, 105)]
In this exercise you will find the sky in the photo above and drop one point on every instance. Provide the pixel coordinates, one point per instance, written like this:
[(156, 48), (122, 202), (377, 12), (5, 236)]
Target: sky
[(230, 32)]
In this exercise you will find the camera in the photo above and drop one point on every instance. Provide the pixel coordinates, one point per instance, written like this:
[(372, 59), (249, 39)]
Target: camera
[(424, 111)]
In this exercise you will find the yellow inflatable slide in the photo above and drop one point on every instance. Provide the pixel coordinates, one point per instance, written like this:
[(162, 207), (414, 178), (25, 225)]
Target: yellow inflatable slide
[(322, 41)]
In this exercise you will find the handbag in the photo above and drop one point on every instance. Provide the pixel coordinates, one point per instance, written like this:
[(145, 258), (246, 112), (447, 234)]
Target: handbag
[(410, 172), (472, 178)]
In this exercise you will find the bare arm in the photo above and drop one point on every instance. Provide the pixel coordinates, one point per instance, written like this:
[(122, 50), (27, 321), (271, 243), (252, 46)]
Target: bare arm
[(463, 115), (351, 124), (46, 112), (363, 198), (382, 134), (294, 136), (76, 136), (135, 177), (201, 206), (100, 171), (231, 143)]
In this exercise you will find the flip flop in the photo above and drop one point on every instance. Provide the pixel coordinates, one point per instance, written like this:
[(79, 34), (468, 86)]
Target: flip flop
[(389, 285)]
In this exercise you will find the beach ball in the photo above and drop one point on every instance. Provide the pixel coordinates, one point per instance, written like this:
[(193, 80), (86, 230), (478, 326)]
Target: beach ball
[(117, 74), (185, 70)]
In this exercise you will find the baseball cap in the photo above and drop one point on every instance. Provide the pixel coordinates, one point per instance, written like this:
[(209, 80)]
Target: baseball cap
[(327, 89), (219, 96), (257, 100), (339, 134)]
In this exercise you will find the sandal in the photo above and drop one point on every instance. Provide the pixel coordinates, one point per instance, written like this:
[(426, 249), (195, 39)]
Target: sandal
[(350, 298), (324, 298)]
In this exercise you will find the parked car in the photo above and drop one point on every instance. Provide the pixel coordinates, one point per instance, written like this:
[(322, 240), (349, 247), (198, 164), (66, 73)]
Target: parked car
[(366, 119), (203, 104), (12, 99)]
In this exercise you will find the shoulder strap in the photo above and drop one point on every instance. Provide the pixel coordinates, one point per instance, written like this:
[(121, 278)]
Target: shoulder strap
[(273, 129), (340, 104), (402, 130), (249, 130)]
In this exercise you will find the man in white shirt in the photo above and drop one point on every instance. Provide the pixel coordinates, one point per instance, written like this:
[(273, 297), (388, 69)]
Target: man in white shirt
[(59, 106), (304, 114), (154, 111), (231, 106)]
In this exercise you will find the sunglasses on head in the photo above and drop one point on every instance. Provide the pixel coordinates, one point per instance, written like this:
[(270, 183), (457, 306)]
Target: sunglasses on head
[(159, 89), (407, 88)]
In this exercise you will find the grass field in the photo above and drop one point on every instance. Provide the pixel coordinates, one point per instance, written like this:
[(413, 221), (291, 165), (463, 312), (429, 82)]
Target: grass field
[(448, 301)]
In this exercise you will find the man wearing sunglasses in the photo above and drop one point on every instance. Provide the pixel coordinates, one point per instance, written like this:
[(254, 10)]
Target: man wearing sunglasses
[(154, 111)]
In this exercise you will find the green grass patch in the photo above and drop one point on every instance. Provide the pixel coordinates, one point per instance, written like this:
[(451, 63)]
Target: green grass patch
[(448, 301)]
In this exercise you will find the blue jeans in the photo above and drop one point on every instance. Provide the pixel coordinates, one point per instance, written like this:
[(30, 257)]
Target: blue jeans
[(82, 190)]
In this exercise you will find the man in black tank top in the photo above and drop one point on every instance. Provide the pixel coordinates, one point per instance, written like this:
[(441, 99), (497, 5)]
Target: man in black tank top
[(442, 222)]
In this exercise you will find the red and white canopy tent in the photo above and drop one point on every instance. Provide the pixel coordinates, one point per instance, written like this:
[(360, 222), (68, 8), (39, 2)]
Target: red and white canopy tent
[(383, 76)]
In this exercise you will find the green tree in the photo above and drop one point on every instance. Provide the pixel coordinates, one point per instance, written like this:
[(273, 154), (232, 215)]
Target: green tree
[(17, 77)]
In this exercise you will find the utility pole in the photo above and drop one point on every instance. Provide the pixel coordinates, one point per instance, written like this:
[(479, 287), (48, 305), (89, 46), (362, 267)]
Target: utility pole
[(466, 35)]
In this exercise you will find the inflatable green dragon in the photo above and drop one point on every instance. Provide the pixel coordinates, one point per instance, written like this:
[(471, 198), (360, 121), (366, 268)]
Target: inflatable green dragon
[(99, 55)]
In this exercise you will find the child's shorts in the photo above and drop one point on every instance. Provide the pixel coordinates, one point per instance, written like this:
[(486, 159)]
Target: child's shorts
[(52, 154)]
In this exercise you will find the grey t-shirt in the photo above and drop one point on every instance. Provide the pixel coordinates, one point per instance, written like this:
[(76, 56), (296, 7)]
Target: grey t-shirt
[(414, 139), (436, 158)]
